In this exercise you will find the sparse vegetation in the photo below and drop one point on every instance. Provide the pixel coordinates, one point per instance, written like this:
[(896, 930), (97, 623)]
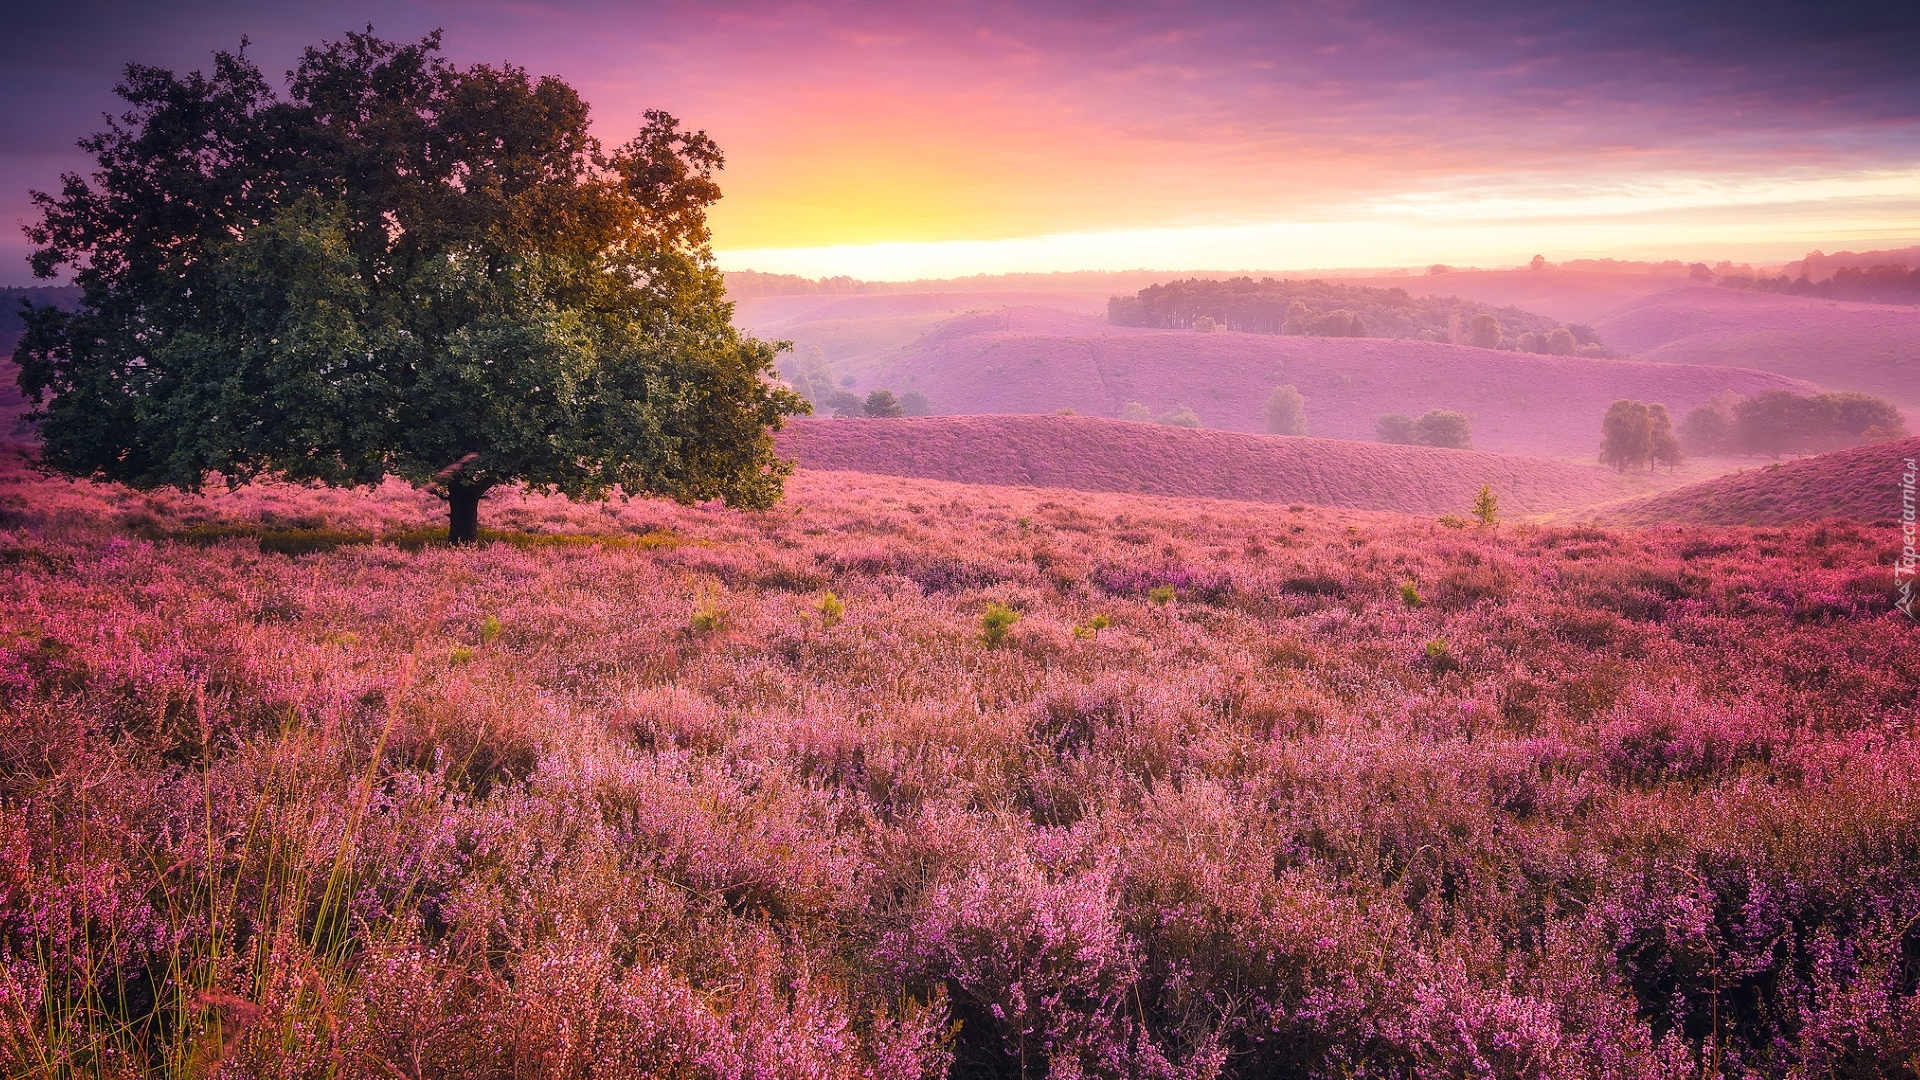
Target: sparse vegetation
[(1181, 415)]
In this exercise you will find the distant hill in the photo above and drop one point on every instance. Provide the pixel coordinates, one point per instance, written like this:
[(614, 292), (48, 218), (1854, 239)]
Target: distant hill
[(1838, 346), (1861, 483), (1030, 360), (1092, 454), (1818, 265)]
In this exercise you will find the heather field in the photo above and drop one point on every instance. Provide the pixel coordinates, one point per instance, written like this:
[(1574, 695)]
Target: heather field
[(1840, 346), (1034, 360), (1093, 454), (908, 778), (1861, 484)]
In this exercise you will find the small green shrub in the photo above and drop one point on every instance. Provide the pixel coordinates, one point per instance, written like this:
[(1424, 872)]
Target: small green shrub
[(1440, 657), (996, 623), (1409, 594), (1092, 627), (461, 654), (489, 629), (1486, 506), (1161, 594), (831, 609)]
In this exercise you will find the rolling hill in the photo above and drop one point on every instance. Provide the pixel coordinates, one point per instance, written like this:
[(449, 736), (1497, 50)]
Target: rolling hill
[(1093, 454), (1838, 346), (1035, 360), (1861, 483)]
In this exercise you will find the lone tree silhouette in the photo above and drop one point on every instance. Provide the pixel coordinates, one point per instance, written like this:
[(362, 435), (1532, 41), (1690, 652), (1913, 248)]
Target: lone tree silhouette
[(401, 268), (1286, 412)]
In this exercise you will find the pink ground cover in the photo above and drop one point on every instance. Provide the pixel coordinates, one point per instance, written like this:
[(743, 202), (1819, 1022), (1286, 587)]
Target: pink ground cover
[(1032, 360), (1093, 454), (1245, 791)]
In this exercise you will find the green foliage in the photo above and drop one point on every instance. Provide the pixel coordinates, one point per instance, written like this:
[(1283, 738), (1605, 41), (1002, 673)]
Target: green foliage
[(1091, 628), (1443, 427), (1286, 412), (1395, 428), (1136, 412), (1453, 522), (1161, 594), (1409, 594), (881, 404), (1181, 415), (1485, 331), (460, 654), (831, 609), (1439, 657), (996, 623), (1486, 506), (489, 628), (404, 268), (915, 403)]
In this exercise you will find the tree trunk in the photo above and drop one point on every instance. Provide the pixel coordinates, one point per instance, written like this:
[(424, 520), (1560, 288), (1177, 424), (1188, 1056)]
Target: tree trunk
[(463, 513)]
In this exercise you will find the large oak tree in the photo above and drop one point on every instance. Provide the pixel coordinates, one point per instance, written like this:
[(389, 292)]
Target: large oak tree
[(400, 268)]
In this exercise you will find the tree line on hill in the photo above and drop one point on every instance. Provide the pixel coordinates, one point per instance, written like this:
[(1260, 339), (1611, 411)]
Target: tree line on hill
[(1324, 309), (1638, 435), (1893, 284)]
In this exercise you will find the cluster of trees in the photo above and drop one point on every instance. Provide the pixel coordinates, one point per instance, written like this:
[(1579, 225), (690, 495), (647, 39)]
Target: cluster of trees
[(401, 268), (1435, 427), (1180, 415), (1324, 309), (746, 284), (811, 378), (1875, 285), (1782, 422), (1637, 435)]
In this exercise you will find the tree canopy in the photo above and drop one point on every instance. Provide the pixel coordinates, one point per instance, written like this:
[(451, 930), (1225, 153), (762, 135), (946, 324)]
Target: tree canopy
[(401, 268)]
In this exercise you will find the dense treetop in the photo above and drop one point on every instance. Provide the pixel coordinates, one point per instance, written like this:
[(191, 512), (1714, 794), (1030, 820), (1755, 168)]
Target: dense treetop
[(402, 267)]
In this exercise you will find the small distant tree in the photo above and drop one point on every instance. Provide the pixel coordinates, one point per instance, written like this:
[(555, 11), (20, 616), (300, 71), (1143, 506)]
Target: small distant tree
[(1484, 331), (1445, 428), (915, 403), (1286, 412), (1205, 324), (882, 405), (1664, 448), (1561, 343), (1699, 272), (1181, 415), (1486, 506), (1136, 412), (1626, 435), (1396, 428), (846, 406), (1539, 263)]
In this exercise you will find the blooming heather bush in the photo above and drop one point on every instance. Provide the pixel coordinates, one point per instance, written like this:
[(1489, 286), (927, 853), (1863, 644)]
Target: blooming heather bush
[(1653, 810)]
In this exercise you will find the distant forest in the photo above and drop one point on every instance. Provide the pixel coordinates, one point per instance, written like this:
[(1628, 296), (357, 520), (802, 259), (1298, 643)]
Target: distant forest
[(1893, 284), (1324, 309), (63, 296)]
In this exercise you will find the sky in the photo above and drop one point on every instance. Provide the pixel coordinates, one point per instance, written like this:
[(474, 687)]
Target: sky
[(901, 140)]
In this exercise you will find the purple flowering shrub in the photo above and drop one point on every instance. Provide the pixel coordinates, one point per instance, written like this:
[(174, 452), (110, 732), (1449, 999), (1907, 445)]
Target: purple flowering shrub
[(380, 808)]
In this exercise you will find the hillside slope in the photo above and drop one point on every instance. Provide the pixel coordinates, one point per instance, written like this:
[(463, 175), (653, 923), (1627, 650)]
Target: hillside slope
[(1575, 296), (1093, 454), (1032, 360), (1861, 483), (1839, 346)]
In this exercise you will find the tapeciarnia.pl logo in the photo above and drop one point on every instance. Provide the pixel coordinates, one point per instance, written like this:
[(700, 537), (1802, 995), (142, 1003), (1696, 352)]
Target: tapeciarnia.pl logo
[(1903, 568)]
